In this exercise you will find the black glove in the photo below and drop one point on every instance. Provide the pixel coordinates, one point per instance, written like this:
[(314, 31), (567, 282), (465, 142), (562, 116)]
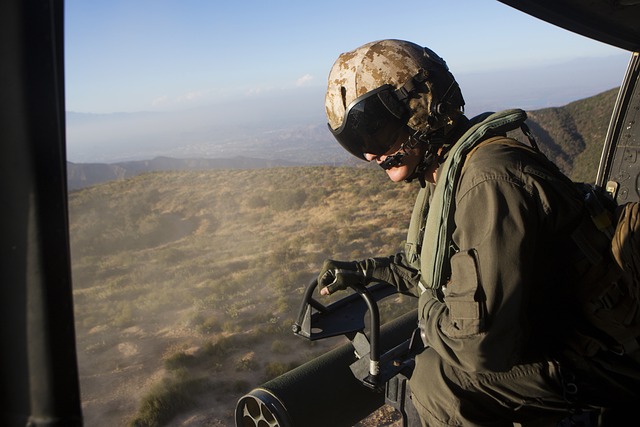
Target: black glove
[(337, 275), (393, 270)]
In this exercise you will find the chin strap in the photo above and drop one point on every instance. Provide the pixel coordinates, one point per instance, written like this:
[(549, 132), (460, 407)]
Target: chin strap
[(430, 158)]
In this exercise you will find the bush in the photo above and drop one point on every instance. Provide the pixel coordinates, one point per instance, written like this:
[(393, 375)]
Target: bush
[(179, 360), (247, 364), (256, 201), (166, 400), (208, 326), (284, 200)]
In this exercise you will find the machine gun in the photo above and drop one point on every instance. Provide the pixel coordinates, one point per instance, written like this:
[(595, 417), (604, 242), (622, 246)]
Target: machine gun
[(348, 383)]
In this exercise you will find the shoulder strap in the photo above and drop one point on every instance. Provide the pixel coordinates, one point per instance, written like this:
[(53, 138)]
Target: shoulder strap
[(415, 234), (440, 219)]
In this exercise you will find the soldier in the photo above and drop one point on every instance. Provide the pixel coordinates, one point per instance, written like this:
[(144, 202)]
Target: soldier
[(487, 251)]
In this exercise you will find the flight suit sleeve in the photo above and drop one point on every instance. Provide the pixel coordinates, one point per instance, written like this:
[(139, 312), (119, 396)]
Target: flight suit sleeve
[(395, 271), (476, 324)]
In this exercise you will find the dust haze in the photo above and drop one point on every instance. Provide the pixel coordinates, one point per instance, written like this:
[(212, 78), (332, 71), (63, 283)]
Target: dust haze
[(288, 123), (186, 284)]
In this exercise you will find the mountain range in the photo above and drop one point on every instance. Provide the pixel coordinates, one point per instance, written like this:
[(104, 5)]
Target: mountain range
[(571, 135)]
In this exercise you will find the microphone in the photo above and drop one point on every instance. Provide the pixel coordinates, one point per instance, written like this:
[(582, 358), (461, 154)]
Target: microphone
[(393, 160)]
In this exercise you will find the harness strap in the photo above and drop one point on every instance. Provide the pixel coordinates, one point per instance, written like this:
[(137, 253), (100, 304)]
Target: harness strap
[(440, 218)]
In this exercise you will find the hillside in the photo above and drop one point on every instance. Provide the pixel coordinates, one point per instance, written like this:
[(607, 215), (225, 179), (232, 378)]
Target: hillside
[(80, 175), (186, 283), (573, 135)]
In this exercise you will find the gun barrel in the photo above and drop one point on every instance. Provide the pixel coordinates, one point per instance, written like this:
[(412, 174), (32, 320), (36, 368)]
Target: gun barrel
[(322, 392)]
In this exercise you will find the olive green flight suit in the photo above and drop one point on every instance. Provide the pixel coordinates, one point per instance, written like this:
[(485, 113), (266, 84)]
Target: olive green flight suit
[(495, 332)]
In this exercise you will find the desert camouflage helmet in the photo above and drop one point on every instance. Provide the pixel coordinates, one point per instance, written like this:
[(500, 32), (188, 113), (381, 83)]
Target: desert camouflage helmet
[(430, 91)]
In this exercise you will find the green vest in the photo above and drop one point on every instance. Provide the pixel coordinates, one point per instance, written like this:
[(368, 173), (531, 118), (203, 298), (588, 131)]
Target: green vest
[(429, 236)]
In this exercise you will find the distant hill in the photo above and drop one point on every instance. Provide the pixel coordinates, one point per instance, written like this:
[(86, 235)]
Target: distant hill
[(80, 175), (571, 135)]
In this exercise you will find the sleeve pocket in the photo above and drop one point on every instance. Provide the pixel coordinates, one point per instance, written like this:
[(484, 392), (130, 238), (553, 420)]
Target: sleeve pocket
[(463, 298)]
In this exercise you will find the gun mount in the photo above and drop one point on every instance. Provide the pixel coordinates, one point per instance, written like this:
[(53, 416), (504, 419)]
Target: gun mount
[(348, 383)]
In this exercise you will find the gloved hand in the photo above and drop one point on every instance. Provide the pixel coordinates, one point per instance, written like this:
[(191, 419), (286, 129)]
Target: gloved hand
[(337, 275)]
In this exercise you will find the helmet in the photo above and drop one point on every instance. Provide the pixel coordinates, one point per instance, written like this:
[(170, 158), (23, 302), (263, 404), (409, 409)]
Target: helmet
[(383, 87)]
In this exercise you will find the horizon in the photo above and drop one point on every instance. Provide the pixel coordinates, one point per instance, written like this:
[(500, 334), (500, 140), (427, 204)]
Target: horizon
[(240, 128), (224, 72)]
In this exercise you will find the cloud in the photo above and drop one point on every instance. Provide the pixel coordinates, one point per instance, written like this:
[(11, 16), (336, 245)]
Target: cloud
[(255, 91), (160, 101), (304, 80), (190, 96)]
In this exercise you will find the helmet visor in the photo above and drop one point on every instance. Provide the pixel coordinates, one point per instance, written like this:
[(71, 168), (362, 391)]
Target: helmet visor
[(372, 122)]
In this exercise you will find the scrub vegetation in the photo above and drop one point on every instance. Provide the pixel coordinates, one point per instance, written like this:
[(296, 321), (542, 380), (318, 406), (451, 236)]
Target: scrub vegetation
[(186, 284), (572, 135)]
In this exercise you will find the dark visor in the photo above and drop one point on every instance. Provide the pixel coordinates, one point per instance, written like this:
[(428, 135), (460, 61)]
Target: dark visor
[(372, 122)]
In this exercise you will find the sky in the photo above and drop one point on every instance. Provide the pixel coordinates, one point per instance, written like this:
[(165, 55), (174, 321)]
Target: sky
[(172, 55)]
